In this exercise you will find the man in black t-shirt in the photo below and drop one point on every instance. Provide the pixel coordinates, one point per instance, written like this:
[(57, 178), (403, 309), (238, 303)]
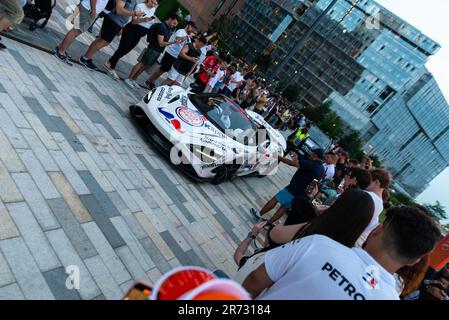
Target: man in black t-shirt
[(158, 39), (186, 62), (308, 170)]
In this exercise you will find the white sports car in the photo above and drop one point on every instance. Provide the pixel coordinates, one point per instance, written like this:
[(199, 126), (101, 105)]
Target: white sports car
[(208, 135)]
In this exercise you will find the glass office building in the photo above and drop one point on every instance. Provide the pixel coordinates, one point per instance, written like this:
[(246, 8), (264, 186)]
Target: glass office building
[(370, 64)]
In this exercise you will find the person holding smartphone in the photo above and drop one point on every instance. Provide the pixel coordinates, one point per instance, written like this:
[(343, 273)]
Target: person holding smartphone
[(132, 33), (112, 26)]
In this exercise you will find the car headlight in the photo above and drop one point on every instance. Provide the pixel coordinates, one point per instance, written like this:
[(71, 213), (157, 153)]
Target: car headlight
[(207, 155)]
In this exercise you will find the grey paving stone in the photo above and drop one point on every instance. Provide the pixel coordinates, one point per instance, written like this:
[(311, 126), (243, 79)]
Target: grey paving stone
[(56, 280), (103, 221), (8, 189), (131, 221), (96, 117), (39, 175), (155, 255), (107, 254), (11, 131), (69, 172), (11, 292), (107, 99), (32, 69), (224, 221), (39, 150), (37, 203), (69, 257), (8, 228), (174, 246), (102, 197), (34, 236), (14, 112), (6, 277), (103, 278), (72, 228), (194, 259), (25, 270), (116, 183), (40, 112), (70, 154), (184, 211), (133, 243), (2, 89), (71, 138), (9, 156), (136, 270)]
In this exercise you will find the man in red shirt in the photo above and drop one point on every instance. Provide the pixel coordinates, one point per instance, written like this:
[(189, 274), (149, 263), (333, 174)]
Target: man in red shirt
[(208, 69)]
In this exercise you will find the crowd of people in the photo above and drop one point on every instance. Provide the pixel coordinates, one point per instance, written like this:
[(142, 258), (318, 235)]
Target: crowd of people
[(333, 243)]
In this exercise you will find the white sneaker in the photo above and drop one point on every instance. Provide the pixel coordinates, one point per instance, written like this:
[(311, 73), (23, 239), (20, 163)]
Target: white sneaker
[(135, 84), (130, 83), (111, 71)]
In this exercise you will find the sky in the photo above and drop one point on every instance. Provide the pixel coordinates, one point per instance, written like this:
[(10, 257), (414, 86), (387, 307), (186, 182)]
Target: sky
[(431, 17)]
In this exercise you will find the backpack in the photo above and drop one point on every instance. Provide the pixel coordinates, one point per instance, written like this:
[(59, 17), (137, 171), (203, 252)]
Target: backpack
[(151, 32)]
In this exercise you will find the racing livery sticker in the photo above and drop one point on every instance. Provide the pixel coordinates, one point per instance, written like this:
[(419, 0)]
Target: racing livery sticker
[(190, 117), (172, 120)]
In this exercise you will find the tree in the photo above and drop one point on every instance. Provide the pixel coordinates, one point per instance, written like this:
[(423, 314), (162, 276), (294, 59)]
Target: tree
[(436, 211), (263, 61), (398, 199), (237, 51), (291, 93), (376, 161), (352, 143), (223, 26)]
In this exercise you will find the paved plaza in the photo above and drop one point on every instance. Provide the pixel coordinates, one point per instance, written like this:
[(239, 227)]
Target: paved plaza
[(80, 186)]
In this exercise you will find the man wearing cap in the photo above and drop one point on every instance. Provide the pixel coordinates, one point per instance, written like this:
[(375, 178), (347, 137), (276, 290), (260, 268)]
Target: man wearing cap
[(308, 170)]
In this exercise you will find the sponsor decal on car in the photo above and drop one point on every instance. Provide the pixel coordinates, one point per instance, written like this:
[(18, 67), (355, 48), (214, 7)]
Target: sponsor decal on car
[(161, 94), (171, 119), (191, 117)]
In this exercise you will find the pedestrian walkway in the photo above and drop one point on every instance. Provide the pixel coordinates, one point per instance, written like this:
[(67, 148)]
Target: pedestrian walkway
[(79, 186)]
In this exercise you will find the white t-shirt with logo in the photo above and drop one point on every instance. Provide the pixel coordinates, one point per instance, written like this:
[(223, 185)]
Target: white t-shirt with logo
[(176, 48), (330, 171), (149, 12), (378, 208), (318, 268), (237, 76), (214, 80), (101, 4)]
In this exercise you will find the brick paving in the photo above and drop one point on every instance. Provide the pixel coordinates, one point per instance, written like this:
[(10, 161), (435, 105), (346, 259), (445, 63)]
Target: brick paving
[(80, 186)]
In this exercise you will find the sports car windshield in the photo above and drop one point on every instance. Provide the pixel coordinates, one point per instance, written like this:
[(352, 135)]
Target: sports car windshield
[(224, 114)]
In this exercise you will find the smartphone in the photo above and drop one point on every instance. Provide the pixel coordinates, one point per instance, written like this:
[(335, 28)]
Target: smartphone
[(139, 291)]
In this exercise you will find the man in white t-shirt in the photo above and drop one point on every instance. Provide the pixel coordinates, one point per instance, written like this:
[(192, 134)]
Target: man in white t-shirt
[(380, 180), (83, 17), (319, 268), (181, 37), (235, 81), (329, 165)]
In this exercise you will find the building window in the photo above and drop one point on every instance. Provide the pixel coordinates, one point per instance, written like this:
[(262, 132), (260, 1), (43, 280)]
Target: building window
[(372, 107), (218, 7)]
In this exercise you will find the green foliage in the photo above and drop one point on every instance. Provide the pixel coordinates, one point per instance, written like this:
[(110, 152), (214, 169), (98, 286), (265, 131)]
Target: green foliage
[(437, 211), (165, 8), (376, 161), (352, 143), (398, 199), (223, 26), (291, 93), (263, 61), (237, 51)]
